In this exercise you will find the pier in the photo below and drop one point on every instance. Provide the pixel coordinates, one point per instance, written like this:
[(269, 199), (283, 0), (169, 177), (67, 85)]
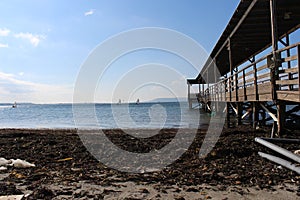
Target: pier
[(254, 68)]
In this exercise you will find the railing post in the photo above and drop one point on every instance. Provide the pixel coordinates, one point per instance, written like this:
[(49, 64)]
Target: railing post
[(298, 54), (230, 86), (255, 115), (244, 86), (231, 69), (236, 87), (274, 64), (288, 54), (225, 87), (203, 91), (255, 81), (239, 112), (189, 96), (228, 114)]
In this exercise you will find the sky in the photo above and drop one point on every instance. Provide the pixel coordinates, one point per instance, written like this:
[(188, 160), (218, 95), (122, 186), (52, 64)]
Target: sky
[(44, 44)]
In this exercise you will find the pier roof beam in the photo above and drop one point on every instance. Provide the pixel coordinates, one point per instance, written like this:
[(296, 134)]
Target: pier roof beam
[(250, 32)]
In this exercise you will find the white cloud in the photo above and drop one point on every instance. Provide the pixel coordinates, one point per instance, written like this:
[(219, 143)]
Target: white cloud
[(14, 89), (90, 12), (6, 75), (4, 32), (21, 73), (3, 45), (33, 39)]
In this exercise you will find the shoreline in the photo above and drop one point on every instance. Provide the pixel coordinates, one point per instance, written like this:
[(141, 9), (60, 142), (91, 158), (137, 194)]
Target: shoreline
[(65, 169)]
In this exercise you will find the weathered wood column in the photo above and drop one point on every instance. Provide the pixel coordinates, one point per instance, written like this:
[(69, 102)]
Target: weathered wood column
[(255, 114), (189, 95), (273, 63), (274, 67), (228, 114), (231, 69), (239, 107)]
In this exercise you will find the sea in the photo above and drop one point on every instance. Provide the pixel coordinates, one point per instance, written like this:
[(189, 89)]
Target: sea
[(100, 115)]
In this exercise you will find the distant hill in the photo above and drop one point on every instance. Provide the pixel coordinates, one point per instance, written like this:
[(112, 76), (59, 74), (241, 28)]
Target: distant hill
[(180, 99)]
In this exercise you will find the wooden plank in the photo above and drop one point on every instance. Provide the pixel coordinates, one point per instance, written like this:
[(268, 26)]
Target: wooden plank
[(264, 88), (290, 70), (249, 73), (265, 97), (293, 96), (261, 76), (240, 77), (288, 92), (289, 47), (287, 82), (251, 97), (291, 58), (262, 67), (241, 92), (269, 112), (249, 80)]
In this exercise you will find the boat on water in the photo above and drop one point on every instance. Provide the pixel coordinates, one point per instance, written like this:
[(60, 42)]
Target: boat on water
[(137, 101), (14, 105)]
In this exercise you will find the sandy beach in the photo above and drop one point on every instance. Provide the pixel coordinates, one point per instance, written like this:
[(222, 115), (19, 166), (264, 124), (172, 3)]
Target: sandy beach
[(66, 170)]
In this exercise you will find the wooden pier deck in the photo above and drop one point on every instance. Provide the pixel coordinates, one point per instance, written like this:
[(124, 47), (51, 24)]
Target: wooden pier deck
[(254, 65)]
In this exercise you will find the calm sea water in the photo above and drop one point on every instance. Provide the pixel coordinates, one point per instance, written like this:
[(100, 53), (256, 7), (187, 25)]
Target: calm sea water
[(143, 115)]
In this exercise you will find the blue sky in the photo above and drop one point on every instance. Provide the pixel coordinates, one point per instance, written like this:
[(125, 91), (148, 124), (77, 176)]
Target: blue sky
[(43, 43)]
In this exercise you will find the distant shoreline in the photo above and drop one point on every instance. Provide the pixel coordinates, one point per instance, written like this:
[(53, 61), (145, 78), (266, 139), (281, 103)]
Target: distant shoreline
[(158, 100)]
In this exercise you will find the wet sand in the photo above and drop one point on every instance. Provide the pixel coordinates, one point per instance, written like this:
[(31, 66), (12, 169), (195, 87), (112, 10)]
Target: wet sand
[(66, 170)]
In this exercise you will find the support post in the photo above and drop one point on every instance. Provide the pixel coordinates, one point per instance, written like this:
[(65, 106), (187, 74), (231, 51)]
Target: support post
[(281, 109), (276, 64), (189, 96), (231, 69), (239, 113), (244, 86), (255, 79), (255, 115), (263, 116), (236, 87), (203, 97), (208, 89), (288, 54), (228, 114), (273, 63)]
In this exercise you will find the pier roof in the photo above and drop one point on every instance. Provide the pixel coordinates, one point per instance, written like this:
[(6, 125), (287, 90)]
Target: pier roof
[(249, 33)]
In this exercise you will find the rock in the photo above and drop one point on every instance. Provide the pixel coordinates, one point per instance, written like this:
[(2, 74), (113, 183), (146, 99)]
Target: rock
[(4, 162), (192, 190), (232, 176), (18, 163), (12, 197), (42, 193), (145, 191)]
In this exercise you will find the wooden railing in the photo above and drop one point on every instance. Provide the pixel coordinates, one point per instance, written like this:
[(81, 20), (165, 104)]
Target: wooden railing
[(253, 82)]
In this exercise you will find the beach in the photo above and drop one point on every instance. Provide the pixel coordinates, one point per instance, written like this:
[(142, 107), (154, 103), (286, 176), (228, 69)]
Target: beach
[(64, 169)]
